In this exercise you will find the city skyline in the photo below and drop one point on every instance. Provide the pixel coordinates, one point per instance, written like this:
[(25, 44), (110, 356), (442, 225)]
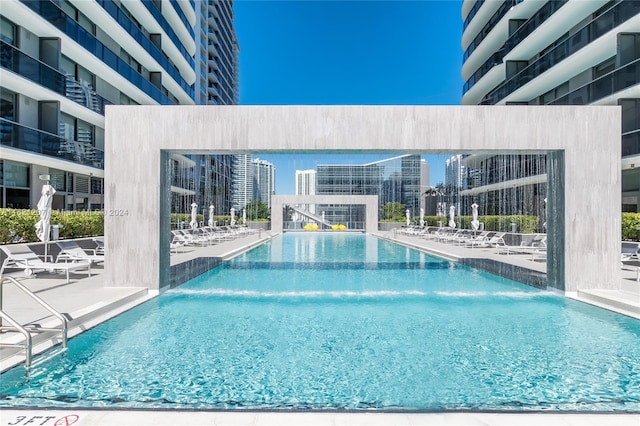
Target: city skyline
[(340, 53)]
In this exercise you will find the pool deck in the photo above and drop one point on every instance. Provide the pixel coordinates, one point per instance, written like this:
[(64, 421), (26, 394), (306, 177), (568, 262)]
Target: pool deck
[(87, 302)]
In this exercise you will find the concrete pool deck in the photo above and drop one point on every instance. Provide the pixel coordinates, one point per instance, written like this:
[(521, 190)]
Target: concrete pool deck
[(88, 302)]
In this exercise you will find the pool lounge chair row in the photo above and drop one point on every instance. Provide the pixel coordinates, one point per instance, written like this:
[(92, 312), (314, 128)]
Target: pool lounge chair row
[(21, 256), (534, 244), (206, 236)]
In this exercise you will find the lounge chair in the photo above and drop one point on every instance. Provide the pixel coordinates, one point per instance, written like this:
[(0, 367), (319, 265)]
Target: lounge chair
[(479, 240), (99, 245), (533, 244), (22, 257), (629, 251), (71, 251), (630, 256)]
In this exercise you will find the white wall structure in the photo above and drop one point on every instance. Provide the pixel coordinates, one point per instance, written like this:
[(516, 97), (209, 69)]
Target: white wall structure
[(584, 233)]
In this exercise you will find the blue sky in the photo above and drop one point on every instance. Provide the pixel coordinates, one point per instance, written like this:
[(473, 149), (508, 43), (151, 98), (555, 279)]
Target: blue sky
[(348, 52)]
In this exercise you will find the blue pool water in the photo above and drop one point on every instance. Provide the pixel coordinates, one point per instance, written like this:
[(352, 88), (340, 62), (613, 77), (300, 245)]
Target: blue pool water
[(344, 321)]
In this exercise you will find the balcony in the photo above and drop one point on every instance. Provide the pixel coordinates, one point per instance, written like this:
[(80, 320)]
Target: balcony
[(516, 38), (40, 73), (17, 136), (54, 15), (130, 27), (609, 20), (616, 81)]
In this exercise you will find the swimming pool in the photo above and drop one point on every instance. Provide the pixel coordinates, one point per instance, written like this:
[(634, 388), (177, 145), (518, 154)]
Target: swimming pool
[(346, 321)]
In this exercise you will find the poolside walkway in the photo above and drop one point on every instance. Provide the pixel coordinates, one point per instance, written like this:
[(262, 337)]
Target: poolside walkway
[(625, 301), (87, 302)]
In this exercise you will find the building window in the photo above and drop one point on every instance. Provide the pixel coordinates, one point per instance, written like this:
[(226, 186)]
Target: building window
[(96, 186), (67, 127), (7, 31), (15, 174), (78, 16), (604, 67), (7, 105)]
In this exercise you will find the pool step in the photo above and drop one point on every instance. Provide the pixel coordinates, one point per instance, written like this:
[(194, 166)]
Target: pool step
[(624, 302), (79, 321)]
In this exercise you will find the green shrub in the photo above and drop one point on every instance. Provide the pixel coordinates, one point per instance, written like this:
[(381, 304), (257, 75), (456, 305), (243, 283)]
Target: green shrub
[(630, 224), (19, 225), (525, 224)]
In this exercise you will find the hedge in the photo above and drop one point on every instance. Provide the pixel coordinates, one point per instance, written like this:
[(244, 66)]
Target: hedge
[(19, 225), (630, 225), (524, 224)]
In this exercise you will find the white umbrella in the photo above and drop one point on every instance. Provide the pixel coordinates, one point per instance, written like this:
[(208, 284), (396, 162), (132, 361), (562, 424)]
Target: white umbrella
[(475, 224), (211, 209), (421, 218), (408, 214), (244, 216), (452, 215), (194, 216), (44, 210), (233, 216)]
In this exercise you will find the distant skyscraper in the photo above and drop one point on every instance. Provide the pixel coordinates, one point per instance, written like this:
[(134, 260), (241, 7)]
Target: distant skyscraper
[(242, 175), (558, 52), (305, 185), (264, 181), (305, 182)]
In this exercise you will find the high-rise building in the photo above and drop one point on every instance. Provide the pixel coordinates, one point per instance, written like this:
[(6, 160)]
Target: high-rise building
[(63, 60), (217, 71), (242, 180), (396, 180), (264, 181), (216, 84), (305, 182), (558, 52), (305, 185)]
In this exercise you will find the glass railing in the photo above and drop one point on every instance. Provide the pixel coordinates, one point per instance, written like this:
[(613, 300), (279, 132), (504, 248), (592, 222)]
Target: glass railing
[(40, 73), (493, 60), (30, 68), (601, 25), (472, 13), (544, 13), (135, 32), (608, 84), (182, 17), (502, 10), (151, 7), (17, 136), (54, 15), (83, 94), (299, 226)]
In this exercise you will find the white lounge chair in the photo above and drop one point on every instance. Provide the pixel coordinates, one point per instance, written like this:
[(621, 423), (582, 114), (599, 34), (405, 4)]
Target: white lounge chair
[(71, 251), (532, 244), (477, 240), (22, 257), (99, 245), (629, 251)]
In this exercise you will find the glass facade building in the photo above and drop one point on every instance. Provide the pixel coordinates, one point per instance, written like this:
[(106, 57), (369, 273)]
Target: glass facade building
[(395, 180), (264, 181), (557, 52), (63, 61)]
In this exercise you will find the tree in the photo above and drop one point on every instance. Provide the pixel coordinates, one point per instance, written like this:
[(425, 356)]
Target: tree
[(393, 211), (257, 209)]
